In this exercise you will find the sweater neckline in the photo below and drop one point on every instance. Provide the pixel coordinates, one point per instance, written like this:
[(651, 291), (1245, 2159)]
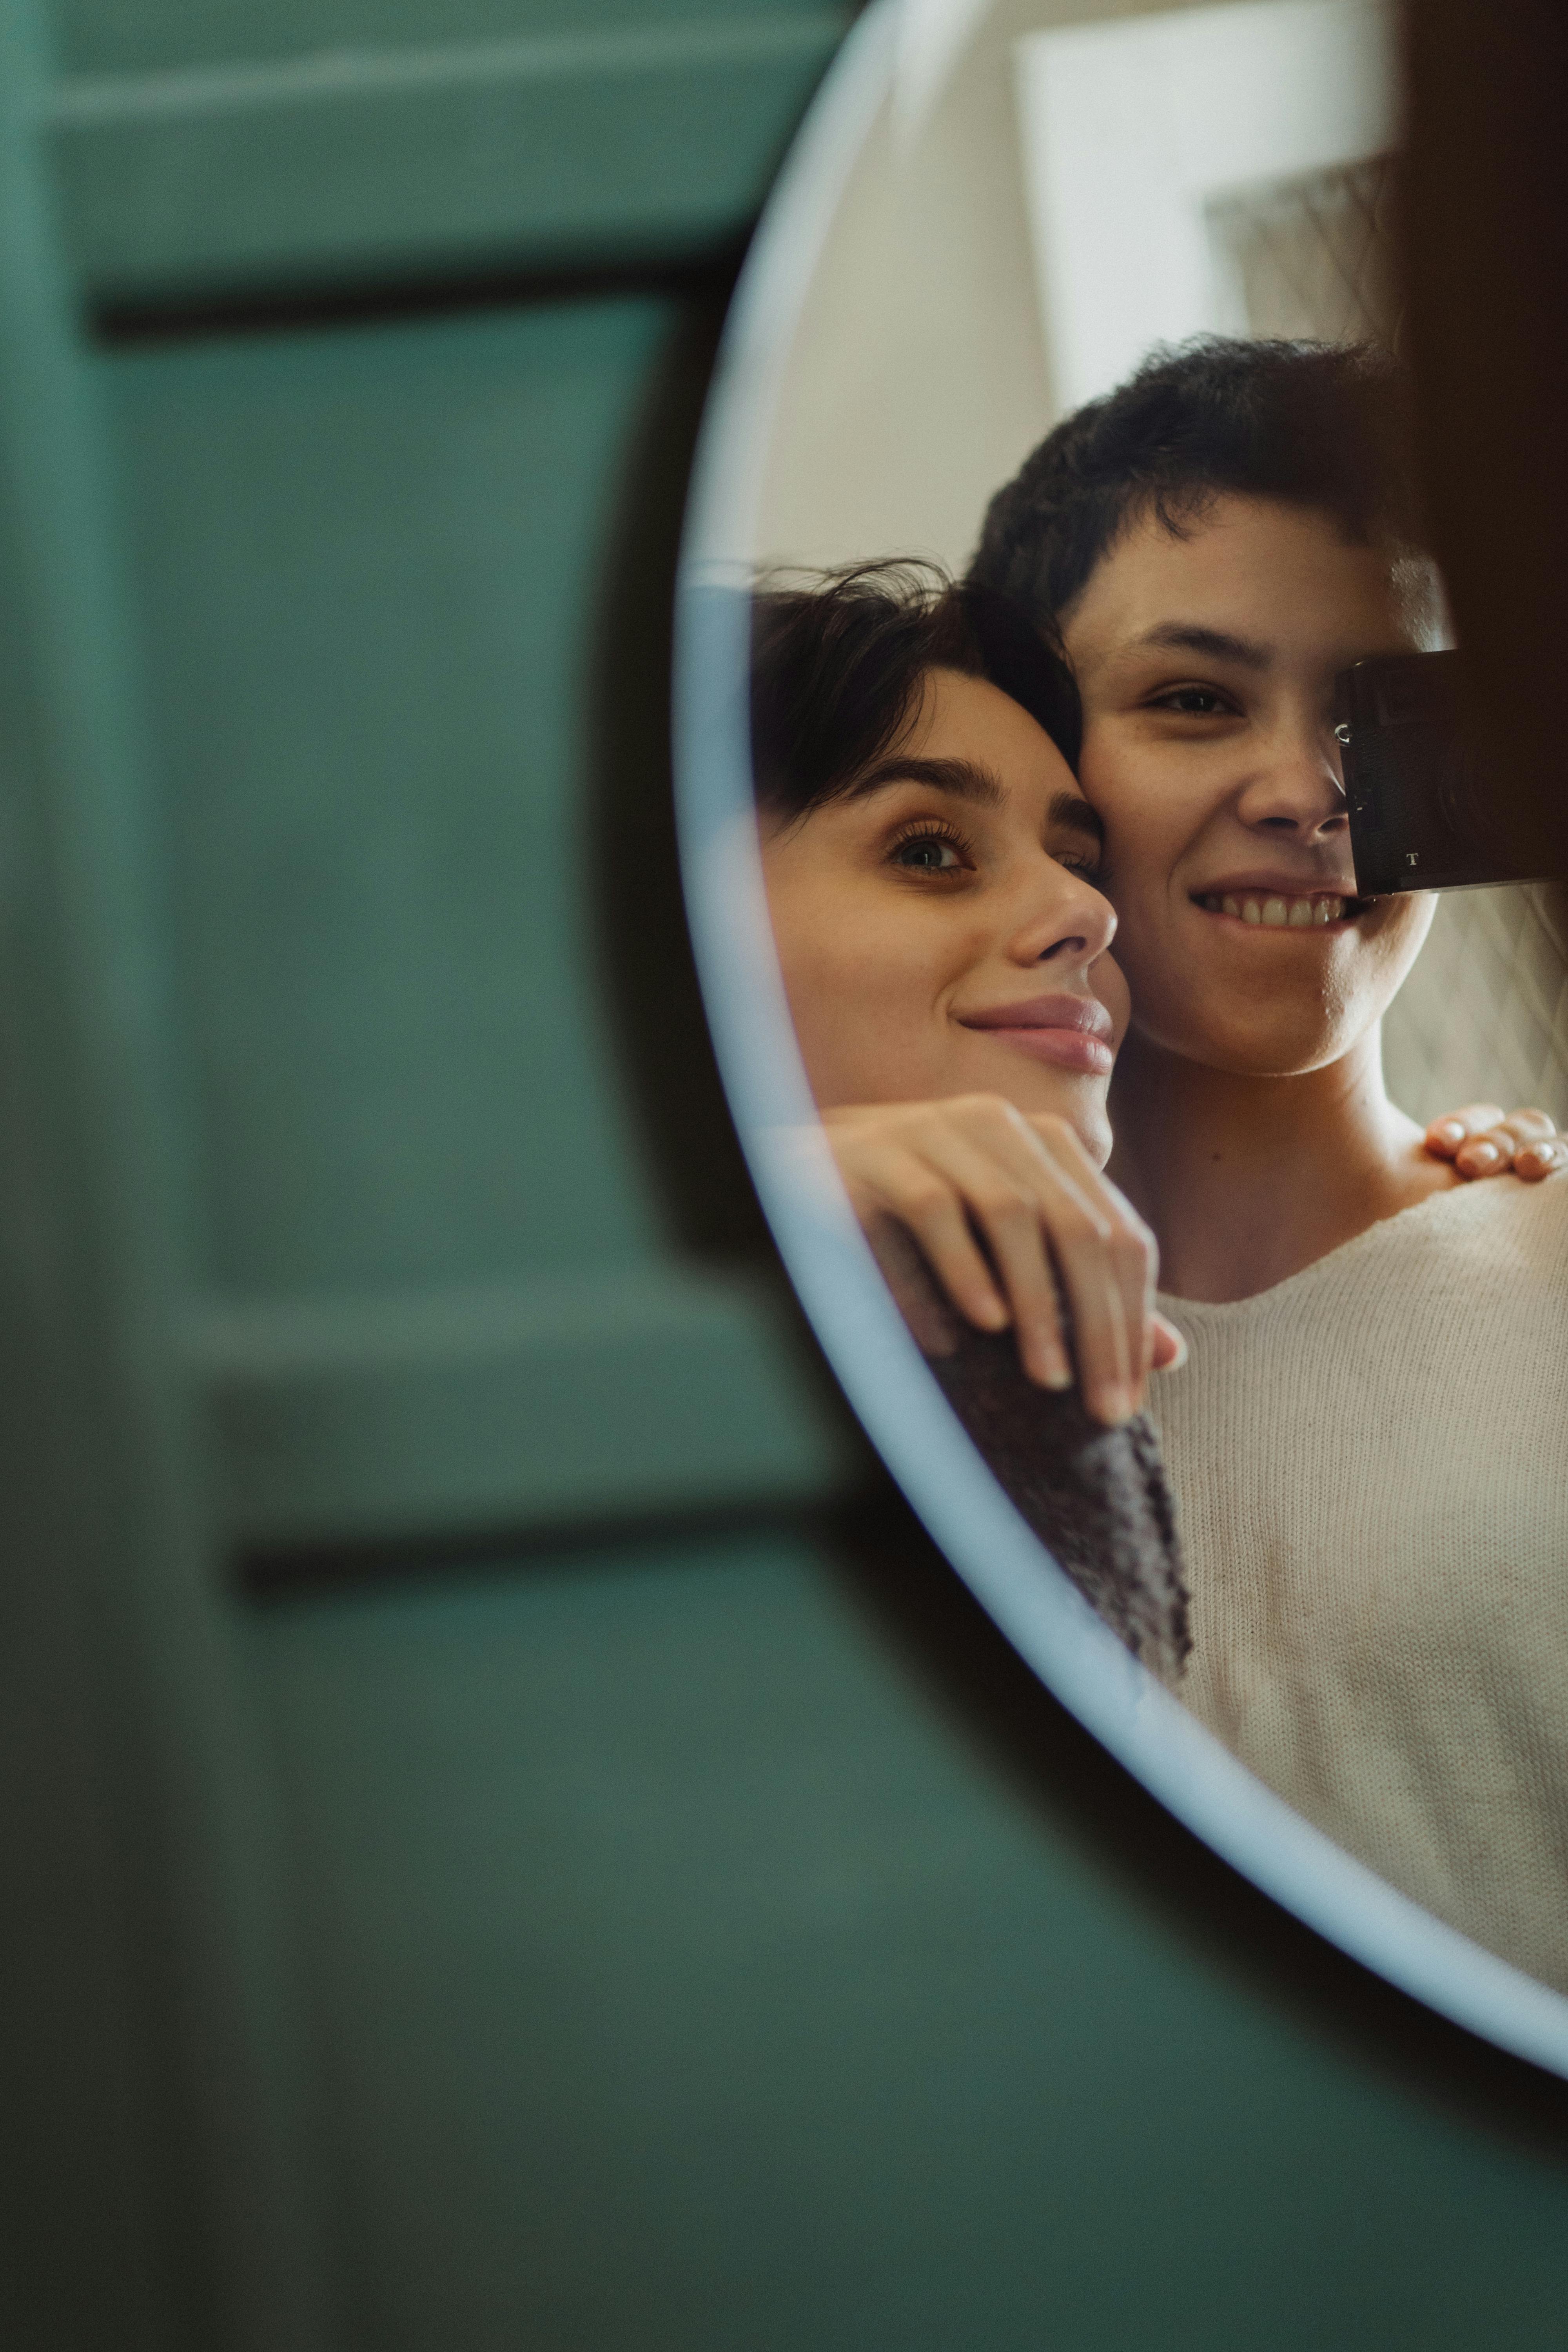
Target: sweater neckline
[(1333, 1259)]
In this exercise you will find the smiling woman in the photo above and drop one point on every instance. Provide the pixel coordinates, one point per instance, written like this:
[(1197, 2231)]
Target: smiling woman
[(1209, 752), (928, 863), (1215, 543), (961, 850)]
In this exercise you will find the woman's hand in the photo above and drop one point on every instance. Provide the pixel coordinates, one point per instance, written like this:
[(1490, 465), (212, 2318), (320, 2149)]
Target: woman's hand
[(1481, 1142), (1004, 1208)]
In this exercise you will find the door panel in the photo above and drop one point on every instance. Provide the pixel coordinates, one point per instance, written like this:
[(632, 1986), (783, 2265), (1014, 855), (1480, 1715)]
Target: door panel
[(369, 567), (605, 142), (607, 1920), (689, 1977), (432, 1289), (103, 37)]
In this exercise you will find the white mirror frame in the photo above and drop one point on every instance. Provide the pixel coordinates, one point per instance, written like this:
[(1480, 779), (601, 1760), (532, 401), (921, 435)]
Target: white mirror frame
[(861, 1331)]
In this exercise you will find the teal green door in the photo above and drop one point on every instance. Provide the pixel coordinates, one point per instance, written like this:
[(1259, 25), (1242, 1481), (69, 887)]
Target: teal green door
[(512, 1840)]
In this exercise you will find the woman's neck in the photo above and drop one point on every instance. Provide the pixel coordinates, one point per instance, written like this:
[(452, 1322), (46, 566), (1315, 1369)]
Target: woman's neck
[(1246, 1180)]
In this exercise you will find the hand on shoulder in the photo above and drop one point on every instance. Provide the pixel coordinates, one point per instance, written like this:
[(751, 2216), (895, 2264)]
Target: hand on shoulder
[(1481, 1142)]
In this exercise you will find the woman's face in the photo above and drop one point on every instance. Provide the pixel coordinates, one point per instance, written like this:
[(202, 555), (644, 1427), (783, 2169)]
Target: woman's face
[(937, 926), (1206, 666)]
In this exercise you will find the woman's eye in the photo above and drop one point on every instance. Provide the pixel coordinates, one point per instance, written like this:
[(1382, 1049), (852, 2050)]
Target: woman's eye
[(1195, 701), (927, 852)]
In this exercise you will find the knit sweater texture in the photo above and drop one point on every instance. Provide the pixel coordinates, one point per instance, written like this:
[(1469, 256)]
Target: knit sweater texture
[(1371, 1469)]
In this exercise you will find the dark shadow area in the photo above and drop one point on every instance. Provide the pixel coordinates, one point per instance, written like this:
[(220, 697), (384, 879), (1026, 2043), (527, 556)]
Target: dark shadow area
[(666, 1059), (505, 287), (1485, 256), (304, 1571)]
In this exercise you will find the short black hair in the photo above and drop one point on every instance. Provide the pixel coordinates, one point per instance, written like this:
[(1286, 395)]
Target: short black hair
[(838, 664), (1319, 426)]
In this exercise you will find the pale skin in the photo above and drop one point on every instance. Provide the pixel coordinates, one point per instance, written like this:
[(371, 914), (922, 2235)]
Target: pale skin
[(956, 886), (945, 956), (1253, 1129)]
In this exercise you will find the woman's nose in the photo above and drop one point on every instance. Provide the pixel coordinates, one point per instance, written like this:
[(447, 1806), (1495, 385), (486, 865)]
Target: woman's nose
[(1070, 924), (1298, 787)]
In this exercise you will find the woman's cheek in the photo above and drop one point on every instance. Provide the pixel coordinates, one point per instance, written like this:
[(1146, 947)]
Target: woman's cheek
[(815, 1000), (841, 1019)]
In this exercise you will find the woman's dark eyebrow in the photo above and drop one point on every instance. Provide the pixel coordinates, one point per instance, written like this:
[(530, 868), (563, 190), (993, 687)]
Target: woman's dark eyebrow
[(965, 780), (1218, 644)]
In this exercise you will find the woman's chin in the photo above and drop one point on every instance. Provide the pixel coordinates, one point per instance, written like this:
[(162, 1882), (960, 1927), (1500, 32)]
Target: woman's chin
[(1092, 1128), (1036, 1089), (1250, 1044), (1078, 1097)]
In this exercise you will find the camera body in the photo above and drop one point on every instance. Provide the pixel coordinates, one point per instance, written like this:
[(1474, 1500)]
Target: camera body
[(1423, 814)]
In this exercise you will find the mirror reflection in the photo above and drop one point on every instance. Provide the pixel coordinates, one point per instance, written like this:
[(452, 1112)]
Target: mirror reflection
[(1183, 1153)]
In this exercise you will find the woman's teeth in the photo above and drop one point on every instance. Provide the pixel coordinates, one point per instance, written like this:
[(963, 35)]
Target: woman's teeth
[(1279, 914)]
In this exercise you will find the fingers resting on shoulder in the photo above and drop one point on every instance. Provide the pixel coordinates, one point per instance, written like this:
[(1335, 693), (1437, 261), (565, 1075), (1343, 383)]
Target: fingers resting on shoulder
[(1481, 1139)]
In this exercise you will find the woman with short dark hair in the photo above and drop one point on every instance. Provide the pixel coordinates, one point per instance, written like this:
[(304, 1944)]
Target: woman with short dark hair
[(930, 865)]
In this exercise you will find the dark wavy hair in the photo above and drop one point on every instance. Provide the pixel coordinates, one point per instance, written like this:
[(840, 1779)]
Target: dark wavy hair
[(1318, 426), (838, 662)]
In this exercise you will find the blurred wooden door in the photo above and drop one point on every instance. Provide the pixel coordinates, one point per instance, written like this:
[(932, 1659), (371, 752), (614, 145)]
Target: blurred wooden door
[(492, 1862)]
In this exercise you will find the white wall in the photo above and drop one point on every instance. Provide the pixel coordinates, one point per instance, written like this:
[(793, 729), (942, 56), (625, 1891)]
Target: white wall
[(919, 379)]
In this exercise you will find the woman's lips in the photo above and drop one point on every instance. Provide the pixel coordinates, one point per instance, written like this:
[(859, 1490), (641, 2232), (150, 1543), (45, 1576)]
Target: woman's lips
[(1071, 1033), (1067, 1049)]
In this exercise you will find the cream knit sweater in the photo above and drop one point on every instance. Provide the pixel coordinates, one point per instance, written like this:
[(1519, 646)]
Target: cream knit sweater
[(1371, 1465)]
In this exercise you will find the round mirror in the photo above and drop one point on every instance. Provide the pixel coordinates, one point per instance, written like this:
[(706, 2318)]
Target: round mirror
[(1059, 652)]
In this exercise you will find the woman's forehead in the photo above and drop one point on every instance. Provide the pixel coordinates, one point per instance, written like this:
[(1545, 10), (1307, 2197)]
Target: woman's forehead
[(1276, 580), (967, 716)]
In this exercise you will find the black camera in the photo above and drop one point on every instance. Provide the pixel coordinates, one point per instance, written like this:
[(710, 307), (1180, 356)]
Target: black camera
[(1424, 811)]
